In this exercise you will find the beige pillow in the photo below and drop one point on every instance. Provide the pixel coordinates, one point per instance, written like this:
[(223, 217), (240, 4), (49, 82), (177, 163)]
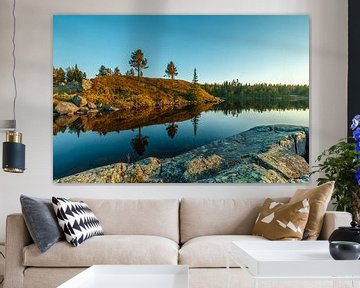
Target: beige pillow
[(279, 221), (319, 198)]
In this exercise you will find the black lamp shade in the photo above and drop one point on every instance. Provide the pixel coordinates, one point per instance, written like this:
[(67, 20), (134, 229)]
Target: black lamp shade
[(13, 157)]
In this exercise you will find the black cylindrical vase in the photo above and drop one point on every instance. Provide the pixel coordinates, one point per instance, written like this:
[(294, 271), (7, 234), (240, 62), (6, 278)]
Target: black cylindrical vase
[(13, 153)]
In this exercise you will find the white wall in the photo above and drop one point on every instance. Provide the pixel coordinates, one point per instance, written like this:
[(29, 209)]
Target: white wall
[(34, 75)]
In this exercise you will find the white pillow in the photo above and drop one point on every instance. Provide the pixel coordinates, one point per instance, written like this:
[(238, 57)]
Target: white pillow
[(76, 220)]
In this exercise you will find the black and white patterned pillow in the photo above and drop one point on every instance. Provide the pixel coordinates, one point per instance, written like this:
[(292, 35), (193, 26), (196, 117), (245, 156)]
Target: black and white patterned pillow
[(77, 220)]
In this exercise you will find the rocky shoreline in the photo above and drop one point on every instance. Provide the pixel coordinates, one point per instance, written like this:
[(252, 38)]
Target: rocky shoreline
[(79, 105), (108, 94), (263, 154)]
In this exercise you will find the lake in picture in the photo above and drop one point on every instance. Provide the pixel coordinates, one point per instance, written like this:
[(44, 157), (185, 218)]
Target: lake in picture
[(181, 99)]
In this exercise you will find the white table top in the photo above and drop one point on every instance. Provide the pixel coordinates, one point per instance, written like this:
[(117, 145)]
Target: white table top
[(291, 259), (131, 276)]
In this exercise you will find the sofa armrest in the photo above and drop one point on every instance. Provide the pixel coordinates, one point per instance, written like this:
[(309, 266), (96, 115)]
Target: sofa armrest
[(17, 237), (333, 220)]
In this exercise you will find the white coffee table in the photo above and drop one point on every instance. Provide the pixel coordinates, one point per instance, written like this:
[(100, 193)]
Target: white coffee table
[(131, 276), (296, 260)]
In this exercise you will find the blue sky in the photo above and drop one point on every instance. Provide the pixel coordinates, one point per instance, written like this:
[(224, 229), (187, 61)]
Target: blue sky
[(251, 48)]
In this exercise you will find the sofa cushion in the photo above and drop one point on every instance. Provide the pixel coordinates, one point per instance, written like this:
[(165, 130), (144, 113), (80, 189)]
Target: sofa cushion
[(279, 221), (211, 251), (158, 217), (107, 249), (41, 221), (319, 198), (200, 217), (76, 220)]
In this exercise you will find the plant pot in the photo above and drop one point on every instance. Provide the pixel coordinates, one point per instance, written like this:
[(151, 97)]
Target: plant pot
[(350, 234)]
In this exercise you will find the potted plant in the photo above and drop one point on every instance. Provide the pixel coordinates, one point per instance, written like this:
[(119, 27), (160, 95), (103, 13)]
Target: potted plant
[(341, 163)]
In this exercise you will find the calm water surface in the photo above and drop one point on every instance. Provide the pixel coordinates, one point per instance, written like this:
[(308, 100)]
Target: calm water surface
[(74, 153)]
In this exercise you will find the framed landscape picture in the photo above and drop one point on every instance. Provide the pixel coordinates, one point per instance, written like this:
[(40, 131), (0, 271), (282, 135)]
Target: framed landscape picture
[(180, 98)]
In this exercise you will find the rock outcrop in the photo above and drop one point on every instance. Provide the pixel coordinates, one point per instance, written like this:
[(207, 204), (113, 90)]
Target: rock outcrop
[(263, 154), (79, 101), (66, 108)]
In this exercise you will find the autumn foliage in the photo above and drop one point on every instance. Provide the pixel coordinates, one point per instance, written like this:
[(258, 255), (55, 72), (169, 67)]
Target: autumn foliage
[(128, 92)]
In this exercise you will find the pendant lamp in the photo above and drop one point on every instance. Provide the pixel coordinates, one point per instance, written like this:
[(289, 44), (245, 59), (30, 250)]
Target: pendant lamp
[(13, 159)]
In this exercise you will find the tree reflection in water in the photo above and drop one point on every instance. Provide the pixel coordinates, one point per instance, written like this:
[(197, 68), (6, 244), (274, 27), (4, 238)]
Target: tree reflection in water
[(127, 120), (139, 143), (172, 130)]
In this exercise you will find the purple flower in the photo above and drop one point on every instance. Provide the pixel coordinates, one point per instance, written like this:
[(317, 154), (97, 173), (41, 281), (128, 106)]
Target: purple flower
[(357, 176), (355, 122), (356, 134), (355, 126)]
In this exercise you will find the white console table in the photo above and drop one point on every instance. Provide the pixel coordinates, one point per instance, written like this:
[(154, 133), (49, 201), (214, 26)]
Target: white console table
[(131, 276), (294, 260)]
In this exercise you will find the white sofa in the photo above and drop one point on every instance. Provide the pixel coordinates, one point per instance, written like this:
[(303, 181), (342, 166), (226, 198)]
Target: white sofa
[(194, 232)]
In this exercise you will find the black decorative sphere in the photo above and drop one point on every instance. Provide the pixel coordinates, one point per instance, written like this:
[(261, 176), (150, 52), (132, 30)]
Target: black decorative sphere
[(344, 250)]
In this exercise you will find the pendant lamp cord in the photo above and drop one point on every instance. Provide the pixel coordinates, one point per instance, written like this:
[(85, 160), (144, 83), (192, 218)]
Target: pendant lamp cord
[(14, 61)]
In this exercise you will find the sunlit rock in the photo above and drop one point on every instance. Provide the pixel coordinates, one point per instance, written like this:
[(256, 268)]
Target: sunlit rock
[(66, 108)]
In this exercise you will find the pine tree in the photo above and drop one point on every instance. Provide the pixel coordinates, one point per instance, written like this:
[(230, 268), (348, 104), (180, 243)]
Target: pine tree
[(195, 77), (138, 61), (130, 72), (104, 71), (74, 74), (171, 70), (58, 76), (117, 71)]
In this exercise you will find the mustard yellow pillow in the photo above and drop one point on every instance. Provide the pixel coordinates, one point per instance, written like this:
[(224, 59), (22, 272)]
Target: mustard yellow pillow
[(279, 221), (319, 198)]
